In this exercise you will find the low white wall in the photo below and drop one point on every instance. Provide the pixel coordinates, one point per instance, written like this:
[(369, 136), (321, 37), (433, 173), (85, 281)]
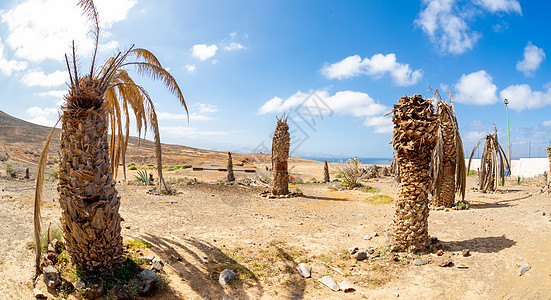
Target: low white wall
[(523, 167)]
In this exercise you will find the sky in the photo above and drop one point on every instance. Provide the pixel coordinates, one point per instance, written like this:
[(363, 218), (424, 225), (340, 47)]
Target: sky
[(335, 68)]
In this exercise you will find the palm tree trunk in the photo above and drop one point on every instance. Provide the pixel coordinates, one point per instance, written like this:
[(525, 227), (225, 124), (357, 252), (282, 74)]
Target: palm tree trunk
[(230, 176), (87, 194), (413, 140), (549, 159), (325, 172), (280, 154), (446, 197)]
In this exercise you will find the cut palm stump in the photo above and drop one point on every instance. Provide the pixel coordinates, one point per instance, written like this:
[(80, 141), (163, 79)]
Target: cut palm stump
[(280, 155), (414, 138)]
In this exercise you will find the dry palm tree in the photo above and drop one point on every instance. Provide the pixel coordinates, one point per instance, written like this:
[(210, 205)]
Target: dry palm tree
[(448, 159), (492, 164), (413, 139), (99, 101), (230, 176), (325, 172), (280, 154), (549, 159)]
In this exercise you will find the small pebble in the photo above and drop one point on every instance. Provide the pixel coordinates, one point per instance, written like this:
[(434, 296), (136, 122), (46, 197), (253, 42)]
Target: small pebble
[(466, 252), (523, 269)]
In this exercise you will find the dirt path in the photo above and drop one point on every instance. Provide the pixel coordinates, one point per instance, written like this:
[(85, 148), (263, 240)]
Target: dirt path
[(208, 227)]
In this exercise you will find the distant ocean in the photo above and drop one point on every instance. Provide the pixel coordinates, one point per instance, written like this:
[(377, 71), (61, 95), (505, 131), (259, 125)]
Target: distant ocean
[(364, 160)]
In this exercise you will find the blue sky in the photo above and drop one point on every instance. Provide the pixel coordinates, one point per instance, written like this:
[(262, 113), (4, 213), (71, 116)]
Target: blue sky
[(336, 67)]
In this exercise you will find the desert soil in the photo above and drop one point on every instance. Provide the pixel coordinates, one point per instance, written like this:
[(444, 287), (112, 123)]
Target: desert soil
[(211, 226)]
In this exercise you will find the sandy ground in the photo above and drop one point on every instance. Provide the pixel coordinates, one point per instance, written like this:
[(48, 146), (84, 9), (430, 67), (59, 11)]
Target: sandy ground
[(210, 226)]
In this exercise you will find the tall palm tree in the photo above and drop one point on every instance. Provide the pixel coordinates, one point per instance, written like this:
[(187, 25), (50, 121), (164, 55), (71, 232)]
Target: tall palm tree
[(230, 176), (99, 103), (492, 163), (448, 159), (281, 143), (414, 138)]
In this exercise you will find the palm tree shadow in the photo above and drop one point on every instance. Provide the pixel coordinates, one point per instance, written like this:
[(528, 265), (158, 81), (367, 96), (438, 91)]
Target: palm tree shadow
[(491, 244), (323, 198), (483, 205), (199, 263)]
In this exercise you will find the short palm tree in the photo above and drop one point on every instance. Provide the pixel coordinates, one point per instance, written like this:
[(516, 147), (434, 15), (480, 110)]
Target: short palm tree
[(414, 138), (99, 103), (549, 159), (325, 172), (230, 176), (281, 143), (448, 159), (492, 163)]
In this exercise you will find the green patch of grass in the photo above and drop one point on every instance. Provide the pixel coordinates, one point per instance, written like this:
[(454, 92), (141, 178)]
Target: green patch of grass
[(138, 244), (369, 189), (177, 167), (132, 167), (379, 199), (472, 173)]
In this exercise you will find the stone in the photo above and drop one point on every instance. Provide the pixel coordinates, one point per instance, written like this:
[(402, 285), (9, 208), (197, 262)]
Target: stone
[(93, 292), (145, 286), (157, 264), (523, 269), (347, 288), (56, 245), (39, 294), (440, 252), (330, 283), (353, 250), (466, 252), (52, 278), (119, 293), (360, 255), (304, 270), (225, 276), (461, 266), (421, 262), (444, 261), (147, 275), (67, 286)]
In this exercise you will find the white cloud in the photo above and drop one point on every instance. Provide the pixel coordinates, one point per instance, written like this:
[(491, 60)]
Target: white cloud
[(8, 66), (546, 123), (318, 103), (203, 52), (445, 21), (522, 97), (376, 66), (38, 78), (42, 116), (445, 27), (533, 57), (197, 112), (205, 108), (54, 93), (44, 29), (476, 89), (188, 132), (494, 6), (233, 46), (190, 68)]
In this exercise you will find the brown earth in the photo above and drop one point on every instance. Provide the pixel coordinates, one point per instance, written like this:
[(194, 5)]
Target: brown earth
[(210, 226)]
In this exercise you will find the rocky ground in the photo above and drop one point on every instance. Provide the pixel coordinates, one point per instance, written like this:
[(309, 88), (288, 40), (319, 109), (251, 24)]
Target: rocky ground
[(210, 227)]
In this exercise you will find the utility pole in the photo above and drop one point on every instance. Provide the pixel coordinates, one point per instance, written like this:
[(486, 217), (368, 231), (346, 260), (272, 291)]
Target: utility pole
[(508, 128)]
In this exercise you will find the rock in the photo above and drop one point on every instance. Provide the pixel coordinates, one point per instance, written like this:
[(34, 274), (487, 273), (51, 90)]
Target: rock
[(421, 262), (466, 252), (360, 255), (51, 257), (145, 286), (147, 275), (353, 250), (80, 285), (57, 245), (67, 286), (304, 270), (93, 292), (523, 269), (226, 298), (440, 252), (119, 293), (226, 276), (52, 277), (38, 293), (461, 266), (157, 264), (396, 294), (347, 288), (443, 261), (330, 283)]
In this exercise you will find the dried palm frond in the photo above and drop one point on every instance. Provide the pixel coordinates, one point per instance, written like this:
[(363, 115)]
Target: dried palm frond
[(448, 159), (492, 164)]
